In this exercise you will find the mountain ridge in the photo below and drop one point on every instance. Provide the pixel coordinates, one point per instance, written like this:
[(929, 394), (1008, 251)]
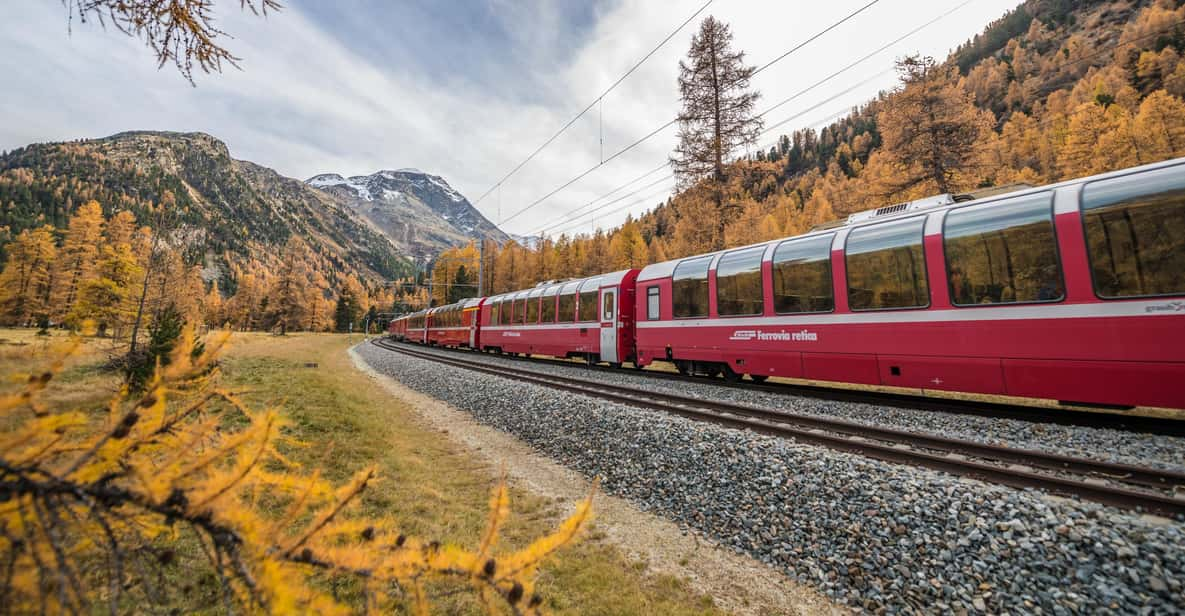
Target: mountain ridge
[(419, 212)]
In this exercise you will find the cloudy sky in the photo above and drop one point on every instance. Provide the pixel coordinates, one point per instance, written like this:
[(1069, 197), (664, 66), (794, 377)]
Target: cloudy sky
[(465, 89)]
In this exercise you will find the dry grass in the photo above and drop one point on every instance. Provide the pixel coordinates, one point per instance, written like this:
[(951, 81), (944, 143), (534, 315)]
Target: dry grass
[(434, 488), (346, 422)]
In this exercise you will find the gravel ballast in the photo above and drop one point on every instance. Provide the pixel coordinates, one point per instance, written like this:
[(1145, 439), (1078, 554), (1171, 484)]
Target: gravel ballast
[(870, 534), (1166, 452)]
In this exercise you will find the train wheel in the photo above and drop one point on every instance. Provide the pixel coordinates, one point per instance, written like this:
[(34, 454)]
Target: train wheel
[(616, 365), (590, 359), (730, 375), (759, 378), (639, 367), (682, 367)]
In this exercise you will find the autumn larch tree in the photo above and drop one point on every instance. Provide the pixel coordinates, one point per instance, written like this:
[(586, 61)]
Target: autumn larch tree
[(77, 258), (179, 32), (25, 282), (932, 128), (717, 117)]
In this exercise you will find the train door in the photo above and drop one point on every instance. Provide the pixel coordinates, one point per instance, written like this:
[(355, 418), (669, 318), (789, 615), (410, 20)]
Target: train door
[(609, 325), (473, 315)]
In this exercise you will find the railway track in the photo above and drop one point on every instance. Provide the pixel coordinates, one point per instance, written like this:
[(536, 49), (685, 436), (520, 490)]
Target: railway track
[(1088, 417), (1121, 485)]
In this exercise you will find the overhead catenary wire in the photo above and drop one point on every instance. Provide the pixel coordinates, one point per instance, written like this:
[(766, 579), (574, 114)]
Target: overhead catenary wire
[(574, 220), (658, 130), (577, 211), (846, 111), (816, 35), (802, 92), (594, 103)]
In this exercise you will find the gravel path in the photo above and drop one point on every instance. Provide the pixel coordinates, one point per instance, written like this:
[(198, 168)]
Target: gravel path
[(870, 534), (1099, 444)]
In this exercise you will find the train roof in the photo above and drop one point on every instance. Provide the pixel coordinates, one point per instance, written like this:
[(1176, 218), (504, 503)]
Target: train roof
[(553, 287), (937, 203)]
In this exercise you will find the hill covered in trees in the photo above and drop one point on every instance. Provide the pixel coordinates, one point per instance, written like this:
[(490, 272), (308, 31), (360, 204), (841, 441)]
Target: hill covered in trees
[(1054, 89)]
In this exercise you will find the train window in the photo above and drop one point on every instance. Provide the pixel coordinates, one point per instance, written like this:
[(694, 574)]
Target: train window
[(738, 283), (802, 276), (549, 309), (689, 288), (1135, 234), (494, 305), (886, 266), (588, 305), (653, 303), (567, 312), (588, 300), (532, 315), (1003, 253), (607, 306)]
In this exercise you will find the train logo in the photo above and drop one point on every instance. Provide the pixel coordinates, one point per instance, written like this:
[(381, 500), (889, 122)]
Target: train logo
[(1169, 307), (782, 335)]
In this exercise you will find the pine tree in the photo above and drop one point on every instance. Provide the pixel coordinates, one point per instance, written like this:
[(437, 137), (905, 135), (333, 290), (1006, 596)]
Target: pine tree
[(717, 116), (25, 282), (108, 297), (460, 288), (290, 294), (1160, 127), (931, 128), (77, 258), (347, 311)]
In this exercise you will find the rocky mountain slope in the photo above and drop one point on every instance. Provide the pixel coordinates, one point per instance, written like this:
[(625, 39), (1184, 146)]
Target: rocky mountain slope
[(420, 213)]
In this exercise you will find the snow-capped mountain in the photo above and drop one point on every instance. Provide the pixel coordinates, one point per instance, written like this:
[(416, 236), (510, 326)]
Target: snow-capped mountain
[(528, 241), (418, 211)]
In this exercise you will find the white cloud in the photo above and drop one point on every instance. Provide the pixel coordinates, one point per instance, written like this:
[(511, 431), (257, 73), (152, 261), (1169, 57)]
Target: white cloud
[(306, 103)]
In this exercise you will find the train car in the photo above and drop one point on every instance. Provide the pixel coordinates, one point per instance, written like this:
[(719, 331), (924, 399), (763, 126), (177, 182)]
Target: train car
[(416, 329), (454, 325), (591, 318), (1073, 292), (397, 328)]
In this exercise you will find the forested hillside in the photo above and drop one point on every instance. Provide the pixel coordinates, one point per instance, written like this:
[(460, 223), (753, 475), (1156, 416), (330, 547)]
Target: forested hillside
[(1055, 89), (90, 228)]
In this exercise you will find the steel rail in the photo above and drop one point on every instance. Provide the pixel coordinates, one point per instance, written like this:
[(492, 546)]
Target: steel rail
[(995, 464), (996, 410)]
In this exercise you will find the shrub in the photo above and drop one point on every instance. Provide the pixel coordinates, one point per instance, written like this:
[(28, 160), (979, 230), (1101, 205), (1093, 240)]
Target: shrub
[(93, 506)]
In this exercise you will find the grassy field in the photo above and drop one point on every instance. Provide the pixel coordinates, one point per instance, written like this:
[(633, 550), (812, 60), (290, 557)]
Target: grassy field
[(346, 422)]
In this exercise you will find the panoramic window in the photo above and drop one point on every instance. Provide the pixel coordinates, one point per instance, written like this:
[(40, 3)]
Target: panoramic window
[(802, 276), (1003, 253), (549, 309), (738, 283), (532, 315), (886, 268), (1135, 234), (567, 312), (588, 300), (653, 303), (689, 288)]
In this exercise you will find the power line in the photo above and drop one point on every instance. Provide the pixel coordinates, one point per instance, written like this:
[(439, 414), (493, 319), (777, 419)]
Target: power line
[(865, 58), (594, 102), (673, 121), (590, 170), (576, 212), (567, 223), (817, 35), (626, 206)]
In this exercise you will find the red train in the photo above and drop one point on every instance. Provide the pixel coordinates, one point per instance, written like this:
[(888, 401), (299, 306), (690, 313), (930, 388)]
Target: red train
[(1072, 292)]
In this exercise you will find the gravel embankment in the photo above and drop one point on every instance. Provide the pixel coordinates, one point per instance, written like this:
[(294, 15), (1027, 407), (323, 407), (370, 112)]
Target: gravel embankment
[(870, 534), (1120, 446)]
